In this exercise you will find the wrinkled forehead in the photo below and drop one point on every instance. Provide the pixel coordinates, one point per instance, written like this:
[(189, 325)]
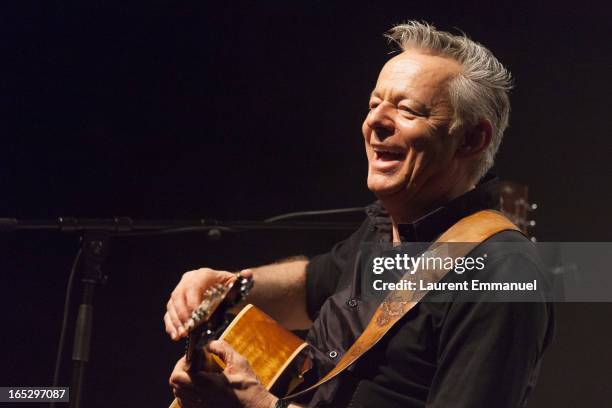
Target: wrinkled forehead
[(416, 71)]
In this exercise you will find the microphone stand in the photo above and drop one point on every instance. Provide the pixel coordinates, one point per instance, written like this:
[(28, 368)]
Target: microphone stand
[(95, 249)]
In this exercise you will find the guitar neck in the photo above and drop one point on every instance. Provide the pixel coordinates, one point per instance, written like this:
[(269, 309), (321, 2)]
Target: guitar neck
[(198, 359), (191, 351)]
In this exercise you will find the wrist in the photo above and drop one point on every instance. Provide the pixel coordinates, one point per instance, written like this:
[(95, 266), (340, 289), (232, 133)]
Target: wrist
[(264, 399), (279, 403)]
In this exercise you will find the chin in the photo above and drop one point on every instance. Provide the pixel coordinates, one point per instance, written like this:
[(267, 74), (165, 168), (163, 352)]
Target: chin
[(384, 186)]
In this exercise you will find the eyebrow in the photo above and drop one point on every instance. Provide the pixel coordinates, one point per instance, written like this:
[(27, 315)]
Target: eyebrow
[(421, 106)]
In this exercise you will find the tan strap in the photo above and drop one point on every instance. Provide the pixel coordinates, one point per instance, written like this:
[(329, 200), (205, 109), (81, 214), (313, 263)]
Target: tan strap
[(469, 232)]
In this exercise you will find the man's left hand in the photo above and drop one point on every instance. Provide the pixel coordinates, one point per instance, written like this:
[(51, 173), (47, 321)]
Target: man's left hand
[(237, 386)]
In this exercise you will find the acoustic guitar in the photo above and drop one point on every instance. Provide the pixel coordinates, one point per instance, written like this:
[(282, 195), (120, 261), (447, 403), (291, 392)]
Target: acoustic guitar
[(271, 350)]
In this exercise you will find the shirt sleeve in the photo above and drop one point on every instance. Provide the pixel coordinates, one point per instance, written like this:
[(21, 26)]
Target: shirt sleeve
[(489, 352), (323, 271)]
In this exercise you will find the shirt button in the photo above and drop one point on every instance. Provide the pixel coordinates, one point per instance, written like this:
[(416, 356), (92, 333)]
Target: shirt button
[(352, 302), (333, 354)]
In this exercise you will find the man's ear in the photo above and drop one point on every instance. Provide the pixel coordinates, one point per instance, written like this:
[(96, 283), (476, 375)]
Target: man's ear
[(475, 139)]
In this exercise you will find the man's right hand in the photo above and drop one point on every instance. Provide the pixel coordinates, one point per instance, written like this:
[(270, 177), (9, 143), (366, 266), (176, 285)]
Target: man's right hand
[(188, 295)]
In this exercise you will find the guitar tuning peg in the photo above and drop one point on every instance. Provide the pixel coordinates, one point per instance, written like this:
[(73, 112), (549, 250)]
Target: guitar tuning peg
[(531, 223), (532, 207)]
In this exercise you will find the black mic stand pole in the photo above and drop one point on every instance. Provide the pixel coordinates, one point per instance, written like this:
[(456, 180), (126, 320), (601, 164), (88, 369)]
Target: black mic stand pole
[(94, 251)]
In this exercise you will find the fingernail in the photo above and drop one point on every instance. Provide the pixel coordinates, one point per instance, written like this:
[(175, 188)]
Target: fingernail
[(181, 331), (173, 335)]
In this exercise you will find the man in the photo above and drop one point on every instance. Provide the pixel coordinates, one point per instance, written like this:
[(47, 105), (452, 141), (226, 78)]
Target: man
[(436, 119)]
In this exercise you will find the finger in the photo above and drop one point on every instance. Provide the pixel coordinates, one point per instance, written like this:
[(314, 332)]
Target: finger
[(215, 390), (208, 398), (193, 298), (187, 397), (232, 359), (179, 377), (188, 403), (222, 349), (246, 273), (180, 307), (193, 389), (209, 381), (178, 326), (170, 329)]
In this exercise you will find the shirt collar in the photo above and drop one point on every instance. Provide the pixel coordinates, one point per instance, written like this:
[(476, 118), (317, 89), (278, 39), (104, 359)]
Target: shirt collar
[(427, 228)]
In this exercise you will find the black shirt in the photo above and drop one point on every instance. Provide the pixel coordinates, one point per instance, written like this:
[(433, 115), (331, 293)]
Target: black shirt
[(451, 354)]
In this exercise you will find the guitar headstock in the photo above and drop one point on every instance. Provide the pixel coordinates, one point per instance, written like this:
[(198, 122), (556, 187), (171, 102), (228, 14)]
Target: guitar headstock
[(514, 203), (218, 299)]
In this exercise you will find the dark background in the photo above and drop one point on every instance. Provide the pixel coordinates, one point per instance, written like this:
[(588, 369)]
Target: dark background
[(243, 110)]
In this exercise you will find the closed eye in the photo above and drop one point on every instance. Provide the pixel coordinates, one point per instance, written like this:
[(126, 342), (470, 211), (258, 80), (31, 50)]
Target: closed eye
[(410, 111)]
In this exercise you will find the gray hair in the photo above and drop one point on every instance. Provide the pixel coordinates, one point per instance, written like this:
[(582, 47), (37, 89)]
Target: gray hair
[(479, 92)]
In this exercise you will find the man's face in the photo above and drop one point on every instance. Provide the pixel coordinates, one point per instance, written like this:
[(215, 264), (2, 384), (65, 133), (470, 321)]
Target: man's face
[(406, 132)]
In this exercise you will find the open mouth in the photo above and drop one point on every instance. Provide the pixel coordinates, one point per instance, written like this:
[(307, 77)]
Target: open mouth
[(388, 155)]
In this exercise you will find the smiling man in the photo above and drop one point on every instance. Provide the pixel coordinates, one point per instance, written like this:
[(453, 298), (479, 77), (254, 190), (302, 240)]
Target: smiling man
[(436, 119), (415, 156)]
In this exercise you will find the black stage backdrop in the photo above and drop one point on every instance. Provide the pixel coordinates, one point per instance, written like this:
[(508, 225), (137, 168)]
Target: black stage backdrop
[(246, 110)]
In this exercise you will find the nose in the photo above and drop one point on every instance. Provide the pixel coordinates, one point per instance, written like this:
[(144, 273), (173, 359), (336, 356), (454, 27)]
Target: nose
[(380, 121)]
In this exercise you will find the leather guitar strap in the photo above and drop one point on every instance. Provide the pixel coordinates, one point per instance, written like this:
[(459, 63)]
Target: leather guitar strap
[(468, 233)]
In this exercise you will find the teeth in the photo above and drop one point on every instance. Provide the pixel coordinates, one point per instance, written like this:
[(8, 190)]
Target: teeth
[(386, 151)]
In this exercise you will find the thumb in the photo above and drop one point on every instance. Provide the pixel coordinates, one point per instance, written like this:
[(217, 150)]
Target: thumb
[(222, 349), (233, 360)]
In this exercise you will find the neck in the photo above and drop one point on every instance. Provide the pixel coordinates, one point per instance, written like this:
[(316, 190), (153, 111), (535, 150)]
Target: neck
[(403, 210)]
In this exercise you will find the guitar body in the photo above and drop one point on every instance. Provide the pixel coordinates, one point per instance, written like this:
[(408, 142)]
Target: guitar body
[(268, 347)]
